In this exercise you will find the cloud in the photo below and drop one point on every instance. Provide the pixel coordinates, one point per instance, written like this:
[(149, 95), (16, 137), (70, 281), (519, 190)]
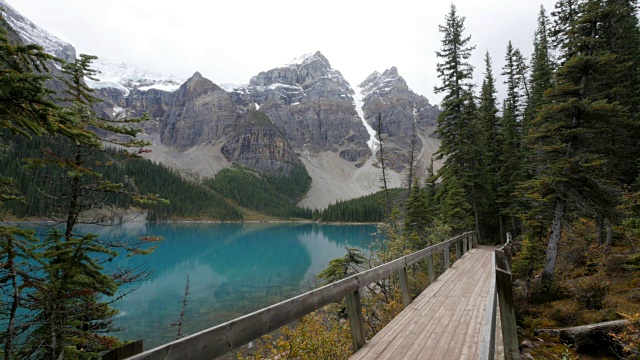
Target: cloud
[(231, 41)]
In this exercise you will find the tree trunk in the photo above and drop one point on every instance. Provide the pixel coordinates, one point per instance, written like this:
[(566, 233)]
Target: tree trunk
[(599, 228), (554, 240), (501, 230), (475, 216), (609, 235)]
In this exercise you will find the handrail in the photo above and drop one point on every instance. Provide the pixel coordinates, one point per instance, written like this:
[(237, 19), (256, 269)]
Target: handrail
[(219, 340), (500, 293), (488, 341)]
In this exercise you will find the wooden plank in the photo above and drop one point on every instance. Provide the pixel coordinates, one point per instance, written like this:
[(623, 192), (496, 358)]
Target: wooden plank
[(356, 321), (125, 351), (443, 322), (475, 287)]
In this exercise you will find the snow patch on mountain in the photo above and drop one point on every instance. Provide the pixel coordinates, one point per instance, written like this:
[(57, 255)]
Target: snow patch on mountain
[(358, 99), (33, 34), (126, 77), (381, 83), (231, 87), (301, 60)]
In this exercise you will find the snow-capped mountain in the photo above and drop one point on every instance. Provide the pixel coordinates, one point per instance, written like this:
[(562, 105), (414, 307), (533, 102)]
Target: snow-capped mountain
[(111, 74), (406, 116), (33, 34), (312, 104), (126, 77), (306, 110)]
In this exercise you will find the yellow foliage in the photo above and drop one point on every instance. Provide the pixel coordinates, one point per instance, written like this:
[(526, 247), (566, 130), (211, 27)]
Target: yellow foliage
[(630, 337)]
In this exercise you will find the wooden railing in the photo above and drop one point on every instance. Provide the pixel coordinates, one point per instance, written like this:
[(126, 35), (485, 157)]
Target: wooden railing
[(500, 294), (219, 340)]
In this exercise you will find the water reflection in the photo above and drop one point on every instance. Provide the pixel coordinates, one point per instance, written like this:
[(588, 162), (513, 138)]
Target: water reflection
[(233, 268)]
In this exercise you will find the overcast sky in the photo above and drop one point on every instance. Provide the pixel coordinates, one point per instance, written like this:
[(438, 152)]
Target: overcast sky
[(230, 41)]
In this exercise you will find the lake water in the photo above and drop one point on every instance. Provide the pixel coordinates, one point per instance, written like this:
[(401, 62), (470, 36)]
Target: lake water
[(234, 269)]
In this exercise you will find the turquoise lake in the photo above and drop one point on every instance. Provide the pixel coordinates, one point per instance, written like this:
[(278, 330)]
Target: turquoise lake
[(233, 269)]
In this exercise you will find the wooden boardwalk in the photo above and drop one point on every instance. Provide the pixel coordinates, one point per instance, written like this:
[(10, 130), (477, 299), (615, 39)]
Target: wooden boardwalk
[(445, 321)]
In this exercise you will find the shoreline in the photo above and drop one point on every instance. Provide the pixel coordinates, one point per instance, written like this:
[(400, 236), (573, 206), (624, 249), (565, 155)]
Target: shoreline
[(47, 222)]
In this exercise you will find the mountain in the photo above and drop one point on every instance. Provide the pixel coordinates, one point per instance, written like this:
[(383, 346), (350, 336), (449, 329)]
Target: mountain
[(304, 111), (312, 104), (387, 95), (31, 33), (125, 77)]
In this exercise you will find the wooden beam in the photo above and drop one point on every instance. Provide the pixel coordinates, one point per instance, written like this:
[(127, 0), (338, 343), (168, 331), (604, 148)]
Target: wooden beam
[(356, 321), (507, 314), (124, 351), (404, 287), (488, 340), (501, 261), (432, 271), (446, 258), (458, 251)]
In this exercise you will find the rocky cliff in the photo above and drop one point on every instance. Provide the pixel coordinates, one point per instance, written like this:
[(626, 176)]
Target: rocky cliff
[(258, 144), (302, 110), (200, 113), (388, 96), (312, 104)]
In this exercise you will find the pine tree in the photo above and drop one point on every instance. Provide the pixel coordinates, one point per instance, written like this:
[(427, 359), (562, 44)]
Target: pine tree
[(490, 140), (510, 172), (569, 165), (17, 273), (70, 306), (458, 126), (542, 68), (25, 102), (416, 219), (621, 36), (564, 17), (455, 73), (454, 209)]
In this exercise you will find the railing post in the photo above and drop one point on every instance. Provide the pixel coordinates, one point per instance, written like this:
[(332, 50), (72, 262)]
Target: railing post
[(465, 245), (446, 258), (356, 322), (404, 286), (430, 269), (507, 314), (501, 261), (475, 240), (458, 250)]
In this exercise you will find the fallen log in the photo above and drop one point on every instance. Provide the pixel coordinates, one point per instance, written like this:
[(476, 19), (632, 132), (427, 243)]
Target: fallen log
[(587, 335), (591, 334)]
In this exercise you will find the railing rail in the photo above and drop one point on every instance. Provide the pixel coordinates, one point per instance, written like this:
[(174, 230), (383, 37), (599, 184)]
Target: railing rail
[(219, 340), (500, 296)]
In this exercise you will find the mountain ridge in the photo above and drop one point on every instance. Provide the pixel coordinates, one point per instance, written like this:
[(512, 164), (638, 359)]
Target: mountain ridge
[(197, 126)]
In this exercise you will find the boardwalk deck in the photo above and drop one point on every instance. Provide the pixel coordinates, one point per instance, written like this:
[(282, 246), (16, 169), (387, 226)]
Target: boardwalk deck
[(444, 321)]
